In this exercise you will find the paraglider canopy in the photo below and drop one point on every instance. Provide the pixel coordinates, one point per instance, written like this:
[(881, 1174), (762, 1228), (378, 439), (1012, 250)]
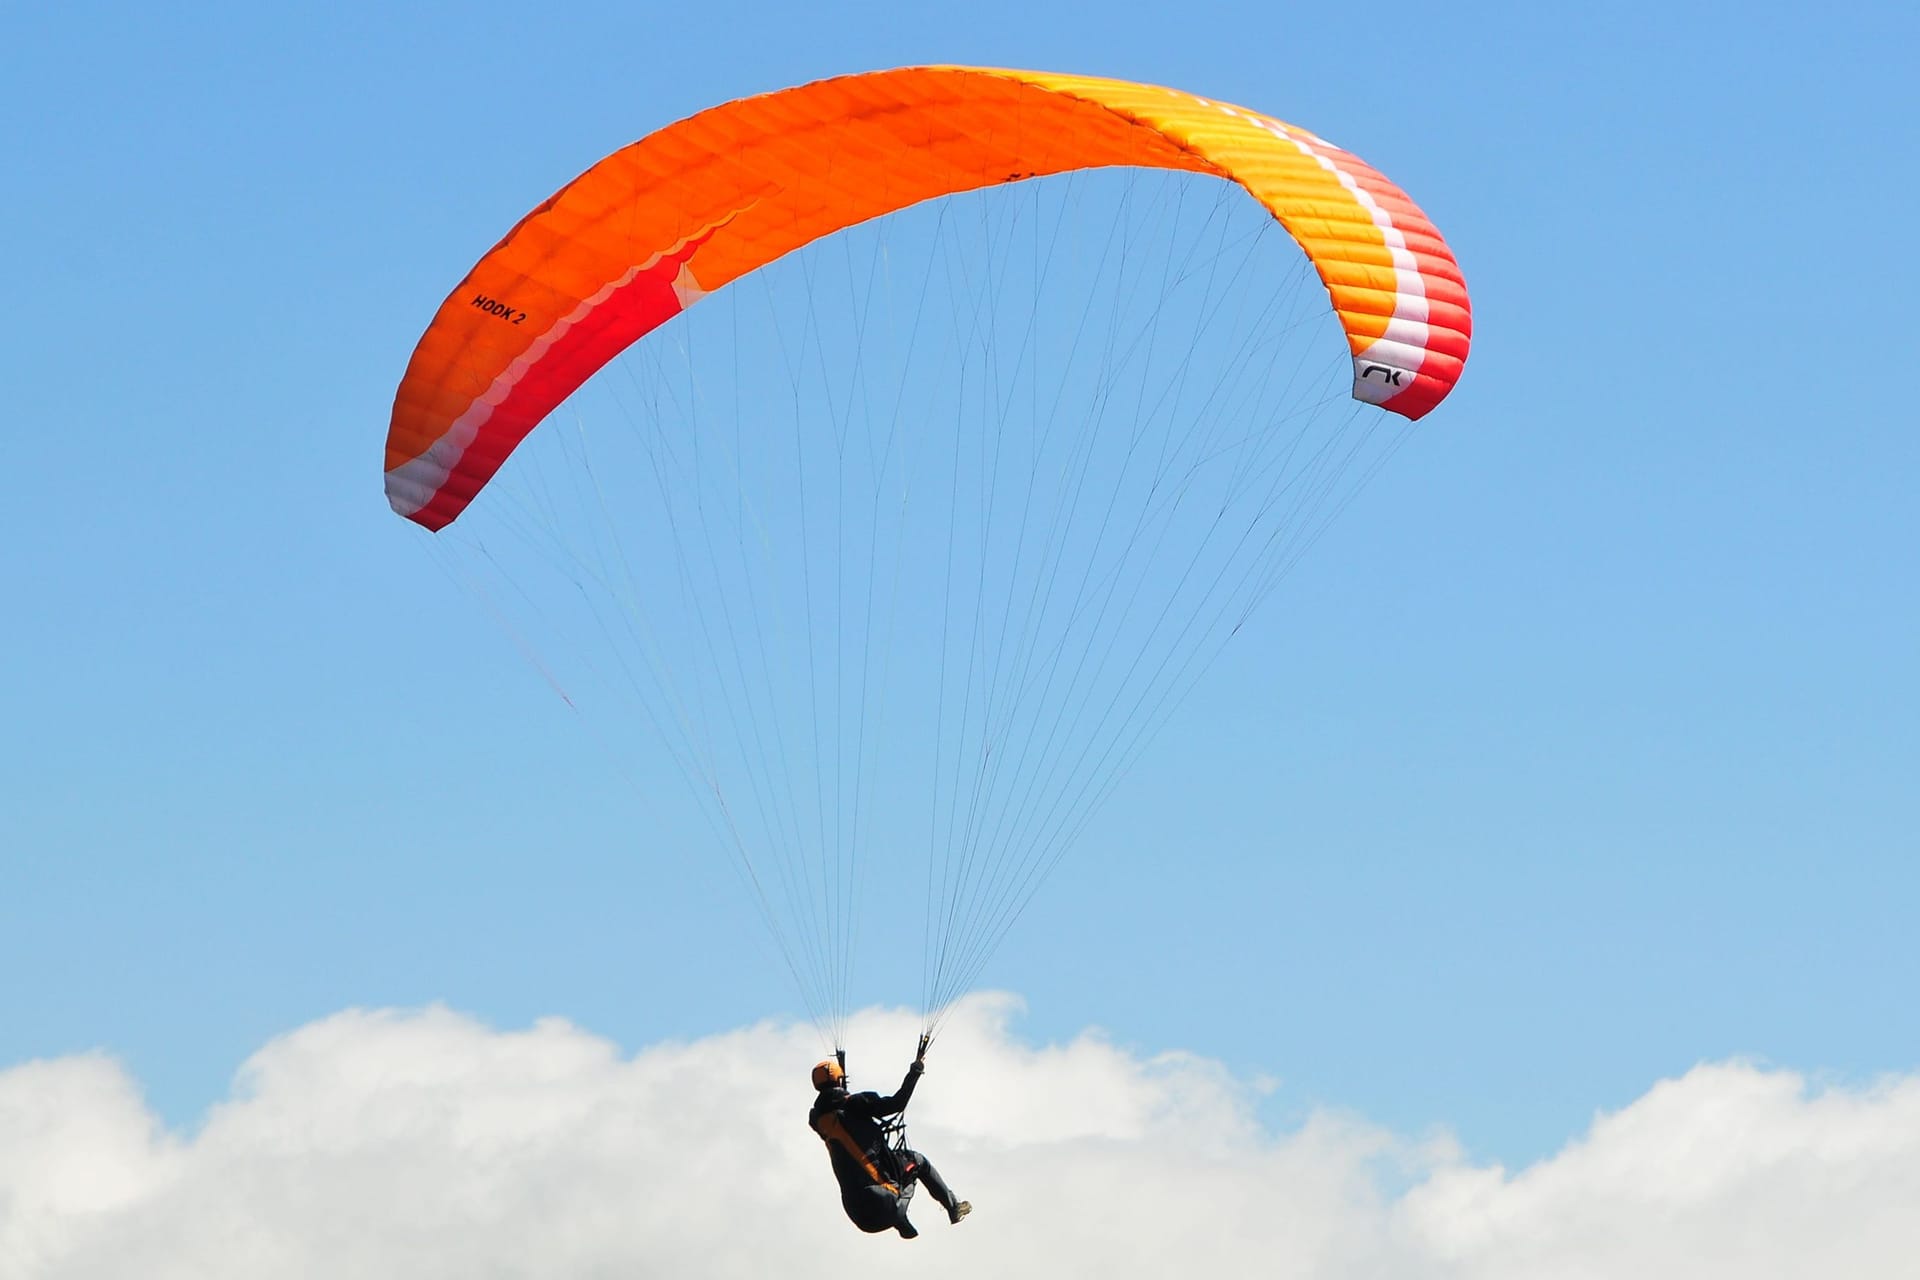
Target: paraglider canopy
[(657, 225), (1041, 384)]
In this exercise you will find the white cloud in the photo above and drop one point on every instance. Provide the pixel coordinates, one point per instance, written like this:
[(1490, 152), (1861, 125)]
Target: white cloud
[(422, 1144)]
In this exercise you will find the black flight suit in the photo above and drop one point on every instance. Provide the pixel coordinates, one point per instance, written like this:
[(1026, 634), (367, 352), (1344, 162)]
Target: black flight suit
[(869, 1172)]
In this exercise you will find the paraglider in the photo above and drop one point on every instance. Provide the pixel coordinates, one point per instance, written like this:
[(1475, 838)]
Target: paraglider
[(1041, 385), (866, 1141), (684, 212)]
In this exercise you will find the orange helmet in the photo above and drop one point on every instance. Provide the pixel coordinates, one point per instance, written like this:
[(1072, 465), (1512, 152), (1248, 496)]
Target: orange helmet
[(828, 1075)]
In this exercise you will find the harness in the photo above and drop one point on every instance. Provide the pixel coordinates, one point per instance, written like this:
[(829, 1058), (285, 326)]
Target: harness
[(893, 1131), (895, 1167)]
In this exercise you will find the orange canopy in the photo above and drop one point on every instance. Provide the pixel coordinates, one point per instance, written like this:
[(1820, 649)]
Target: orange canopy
[(658, 224)]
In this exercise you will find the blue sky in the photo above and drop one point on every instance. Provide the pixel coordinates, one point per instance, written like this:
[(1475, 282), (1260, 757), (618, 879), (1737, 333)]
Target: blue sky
[(1582, 752)]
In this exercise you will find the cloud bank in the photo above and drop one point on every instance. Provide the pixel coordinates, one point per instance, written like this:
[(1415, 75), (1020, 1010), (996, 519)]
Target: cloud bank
[(423, 1144)]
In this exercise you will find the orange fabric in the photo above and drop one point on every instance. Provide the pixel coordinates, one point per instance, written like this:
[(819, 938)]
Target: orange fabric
[(686, 210), (835, 1134)]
